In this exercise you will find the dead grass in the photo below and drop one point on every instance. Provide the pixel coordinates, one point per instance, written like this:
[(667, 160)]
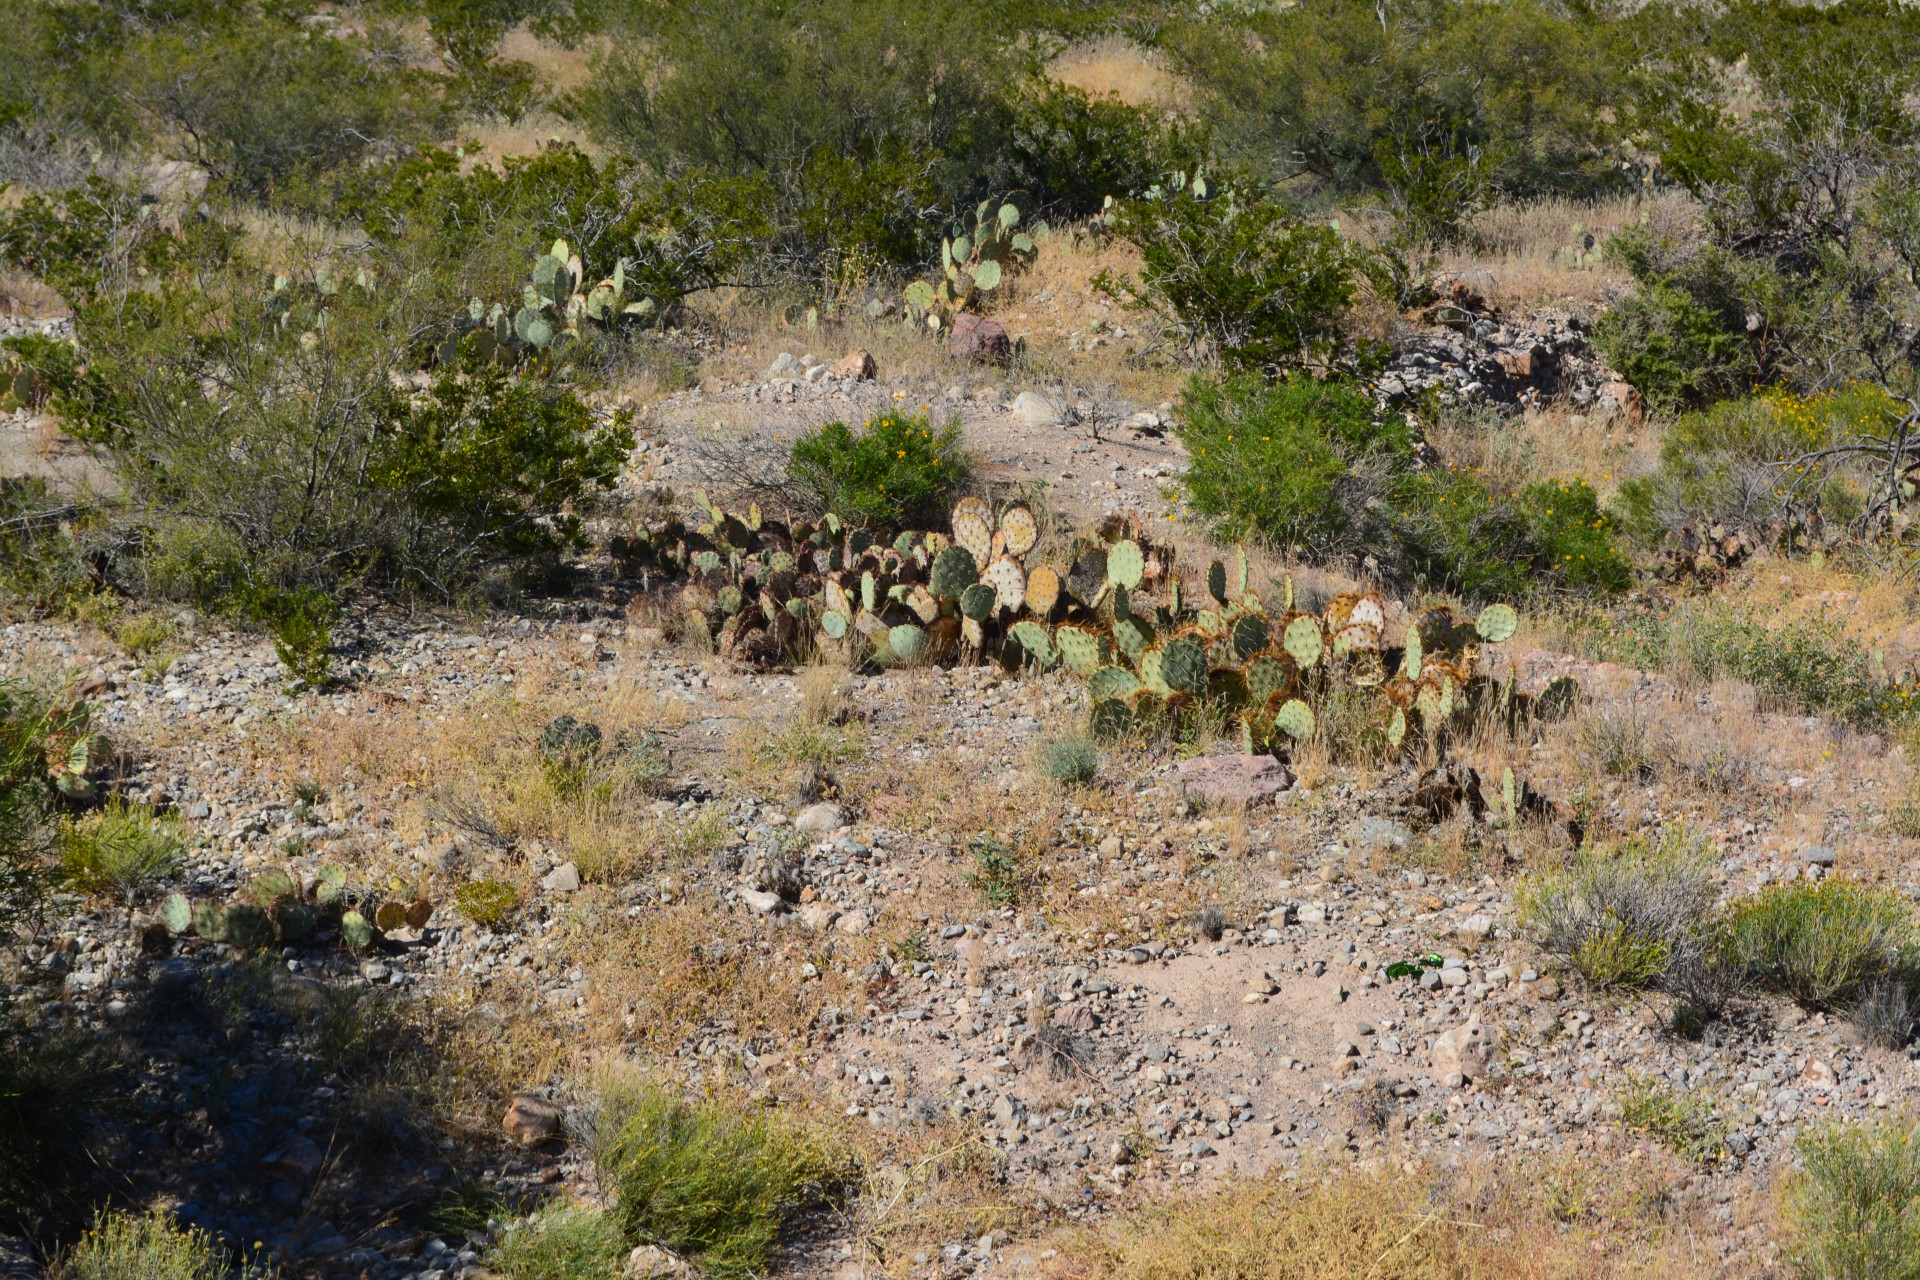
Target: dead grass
[(1113, 66), (1523, 255), (1554, 442), (1536, 1220)]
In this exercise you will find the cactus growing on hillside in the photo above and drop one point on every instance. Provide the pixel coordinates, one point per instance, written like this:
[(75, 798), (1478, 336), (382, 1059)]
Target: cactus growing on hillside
[(973, 261), (275, 909)]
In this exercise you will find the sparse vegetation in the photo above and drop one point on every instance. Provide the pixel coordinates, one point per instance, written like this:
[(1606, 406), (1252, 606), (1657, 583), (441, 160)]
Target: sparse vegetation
[(120, 1246), (896, 470), (1072, 762), (120, 850), (1822, 943), (1686, 1123), (1632, 916), (1849, 1207)]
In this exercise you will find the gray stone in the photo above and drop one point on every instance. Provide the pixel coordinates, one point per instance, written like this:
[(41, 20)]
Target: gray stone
[(1818, 855), (820, 818), (1235, 779), (760, 902), (564, 878), (1034, 410), (1378, 833), (784, 365)]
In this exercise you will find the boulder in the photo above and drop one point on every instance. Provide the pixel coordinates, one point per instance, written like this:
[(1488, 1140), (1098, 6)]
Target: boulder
[(785, 365), (1621, 400), (1235, 779), (819, 818), (1467, 1051), (976, 338), (858, 365), (564, 878), (1034, 410), (531, 1121)]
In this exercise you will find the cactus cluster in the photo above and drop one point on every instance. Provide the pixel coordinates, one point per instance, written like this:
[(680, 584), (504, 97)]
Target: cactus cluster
[(75, 752), (275, 909), (556, 305), (973, 261)]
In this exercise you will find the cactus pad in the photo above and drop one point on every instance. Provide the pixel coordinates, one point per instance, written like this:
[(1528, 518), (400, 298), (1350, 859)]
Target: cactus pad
[(1112, 682), (250, 928), (1397, 729), (1302, 642), (973, 527), (1249, 635), (907, 641), (1411, 659), (1132, 634), (954, 570), (1088, 577), (1183, 666), (1295, 719), (1043, 590), (1125, 564), (1021, 529), (1082, 650), (1148, 665), (1110, 719), (1497, 623), (976, 602), (1033, 637), (1217, 581), (1008, 580), (834, 624), (210, 921), (176, 913), (355, 931), (1267, 677)]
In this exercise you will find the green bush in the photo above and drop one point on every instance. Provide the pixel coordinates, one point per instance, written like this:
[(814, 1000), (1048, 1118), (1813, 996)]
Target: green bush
[(716, 1180), (1722, 466), (1244, 280), (1071, 762), (1685, 1123), (27, 833), (1451, 533), (897, 471), (1849, 1208), (1822, 943), (1294, 461), (42, 568), (1631, 917), (119, 850), (486, 902), (562, 1242), (996, 871), (121, 1246)]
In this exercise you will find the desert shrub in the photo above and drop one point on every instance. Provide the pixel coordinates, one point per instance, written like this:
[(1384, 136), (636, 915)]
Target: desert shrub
[(1724, 465), (1822, 943), (1072, 762), (996, 871), (1069, 150), (1450, 532), (1619, 740), (302, 624), (27, 833), (220, 399), (1849, 1207), (1885, 1012), (119, 850), (42, 567), (486, 902), (1294, 461), (123, 1246), (1634, 916), (1344, 89), (1685, 1123), (715, 1179), (1242, 280), (562, 1242), (1682, 336), (896, 470)]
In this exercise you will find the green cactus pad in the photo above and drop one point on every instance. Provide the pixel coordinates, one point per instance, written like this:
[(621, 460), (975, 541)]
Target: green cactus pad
[(1410, 662), (1249, 634), (954, 570), (907, 641), (1267, 676), (1397, 729), (1183, 666), (1088, 576), (1302, 642), (210, 921), (1148, 665), (1228, 687), (1110, 719), (1033, 637), (1217, 581), (1126, 564), (976, 601), (355, 931), (1112, 682), (1082, 650), (1210, 623), (1497, 623), (332, 882), (270, 886), (1132, 634), (250, 928), (1508, 795), (176, 913), (834, 624), (297, 922), (1295, 719)]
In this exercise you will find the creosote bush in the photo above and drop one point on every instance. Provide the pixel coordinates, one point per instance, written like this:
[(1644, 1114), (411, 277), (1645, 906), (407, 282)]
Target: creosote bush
[(897, 470), (1849, 1208), (120, 1246), (1635, 916), (715, 1179), (1822, 943)]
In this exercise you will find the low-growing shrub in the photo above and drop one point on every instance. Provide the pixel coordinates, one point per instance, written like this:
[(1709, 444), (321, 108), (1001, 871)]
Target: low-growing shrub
[(996, 871), (1885, 1012), (562, 1242), (896, 470), (486, 902), (1630, 917), (1822, 943), (123, 1246), (1071, 762), (1450, 532), (27, 831), (715, 1179), (119, 850), (1849, 1208), (1685, 1123)]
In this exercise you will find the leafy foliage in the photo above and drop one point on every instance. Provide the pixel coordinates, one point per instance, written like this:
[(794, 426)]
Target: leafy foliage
[(1849, 1206), (1822, 943), (898, 469)]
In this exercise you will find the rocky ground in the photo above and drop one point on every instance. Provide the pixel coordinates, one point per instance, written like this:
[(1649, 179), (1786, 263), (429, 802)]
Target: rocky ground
[(1194, 984)]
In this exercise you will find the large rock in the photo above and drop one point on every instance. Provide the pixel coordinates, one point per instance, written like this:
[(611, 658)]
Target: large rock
[(1034, 410), (531, 1121), (1621, 400), (977, 338), (1465, 1051), (858, 365), (1236, 779), (564, 878), (819, 818)]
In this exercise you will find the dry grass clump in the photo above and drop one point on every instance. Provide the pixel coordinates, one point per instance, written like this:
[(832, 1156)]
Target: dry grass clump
[(1529, 1221), (1115, 66), (1524, 255)]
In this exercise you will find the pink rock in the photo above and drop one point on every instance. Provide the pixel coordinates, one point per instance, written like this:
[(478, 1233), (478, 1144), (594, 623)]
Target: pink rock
[(978, 338), (1236, 779), (530, 1121)]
